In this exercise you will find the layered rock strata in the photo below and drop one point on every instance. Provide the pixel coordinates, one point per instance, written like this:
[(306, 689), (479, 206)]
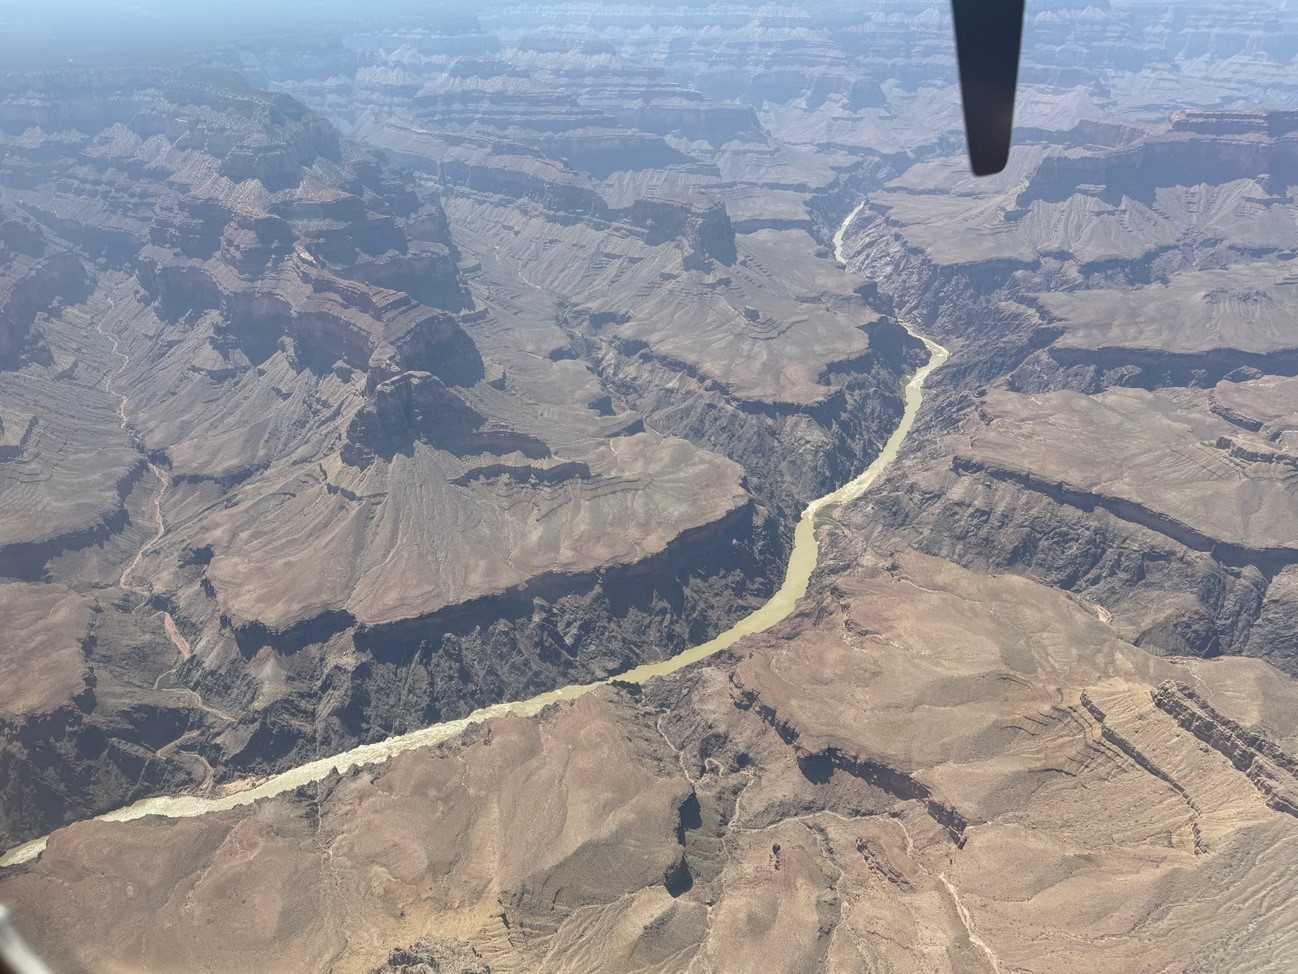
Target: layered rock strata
[(925, 768), (311, 437)]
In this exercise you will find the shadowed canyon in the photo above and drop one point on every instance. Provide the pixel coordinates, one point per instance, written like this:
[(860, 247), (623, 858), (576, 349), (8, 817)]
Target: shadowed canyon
[(388, 406)]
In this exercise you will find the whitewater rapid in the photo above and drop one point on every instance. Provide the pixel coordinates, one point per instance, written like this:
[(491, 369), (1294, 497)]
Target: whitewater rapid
[(802, 562)]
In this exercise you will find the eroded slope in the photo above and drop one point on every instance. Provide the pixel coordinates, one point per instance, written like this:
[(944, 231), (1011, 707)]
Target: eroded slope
[(926, 769)]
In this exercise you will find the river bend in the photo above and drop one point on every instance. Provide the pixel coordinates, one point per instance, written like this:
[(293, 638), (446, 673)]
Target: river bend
[(802, 562)]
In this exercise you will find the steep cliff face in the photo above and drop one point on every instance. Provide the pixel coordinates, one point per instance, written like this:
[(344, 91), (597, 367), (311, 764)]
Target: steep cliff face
[(82, 724), (288, 336), (36, 274), (341, 487), (1086, 449), (1195, 147), (336, 441), (706, 229), (877, 759), (682, 312)]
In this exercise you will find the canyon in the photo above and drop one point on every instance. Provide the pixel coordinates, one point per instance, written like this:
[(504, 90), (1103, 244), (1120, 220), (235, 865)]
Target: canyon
[(387, 408)]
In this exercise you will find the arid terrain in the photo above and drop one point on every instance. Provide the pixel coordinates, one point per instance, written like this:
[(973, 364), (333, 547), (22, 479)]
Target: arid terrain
[(358, 377)]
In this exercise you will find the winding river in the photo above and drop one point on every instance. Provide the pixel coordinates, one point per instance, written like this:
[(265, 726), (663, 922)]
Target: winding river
[(802, 561)]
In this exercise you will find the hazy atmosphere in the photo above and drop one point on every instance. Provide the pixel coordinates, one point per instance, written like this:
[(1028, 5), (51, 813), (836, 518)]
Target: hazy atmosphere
[(602, 487)]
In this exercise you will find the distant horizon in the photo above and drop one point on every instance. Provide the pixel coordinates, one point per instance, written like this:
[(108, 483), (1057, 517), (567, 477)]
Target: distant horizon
[(99, 33)]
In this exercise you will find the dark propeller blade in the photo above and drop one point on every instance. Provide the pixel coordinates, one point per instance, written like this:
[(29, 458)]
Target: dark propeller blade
[(987, 36)]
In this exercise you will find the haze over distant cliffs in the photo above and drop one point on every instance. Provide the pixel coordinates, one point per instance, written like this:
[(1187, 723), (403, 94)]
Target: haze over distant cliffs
[(362, 471), (359, 375)]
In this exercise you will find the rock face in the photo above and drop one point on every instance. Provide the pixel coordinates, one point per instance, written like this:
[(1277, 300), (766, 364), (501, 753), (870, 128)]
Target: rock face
[(422, 365), (37, 274), (432, 957), (976, 763), (302, 419), (84, 726), (1108, 437)]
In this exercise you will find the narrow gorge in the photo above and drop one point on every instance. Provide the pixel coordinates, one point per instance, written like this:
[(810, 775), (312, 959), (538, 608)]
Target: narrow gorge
[(602, 488), (797, 575)]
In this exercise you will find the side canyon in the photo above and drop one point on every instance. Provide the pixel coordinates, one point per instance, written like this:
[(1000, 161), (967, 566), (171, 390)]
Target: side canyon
[(356, 378)]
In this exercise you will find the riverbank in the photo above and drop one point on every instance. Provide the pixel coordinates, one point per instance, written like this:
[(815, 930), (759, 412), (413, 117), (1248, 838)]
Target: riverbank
[(802, 562)]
